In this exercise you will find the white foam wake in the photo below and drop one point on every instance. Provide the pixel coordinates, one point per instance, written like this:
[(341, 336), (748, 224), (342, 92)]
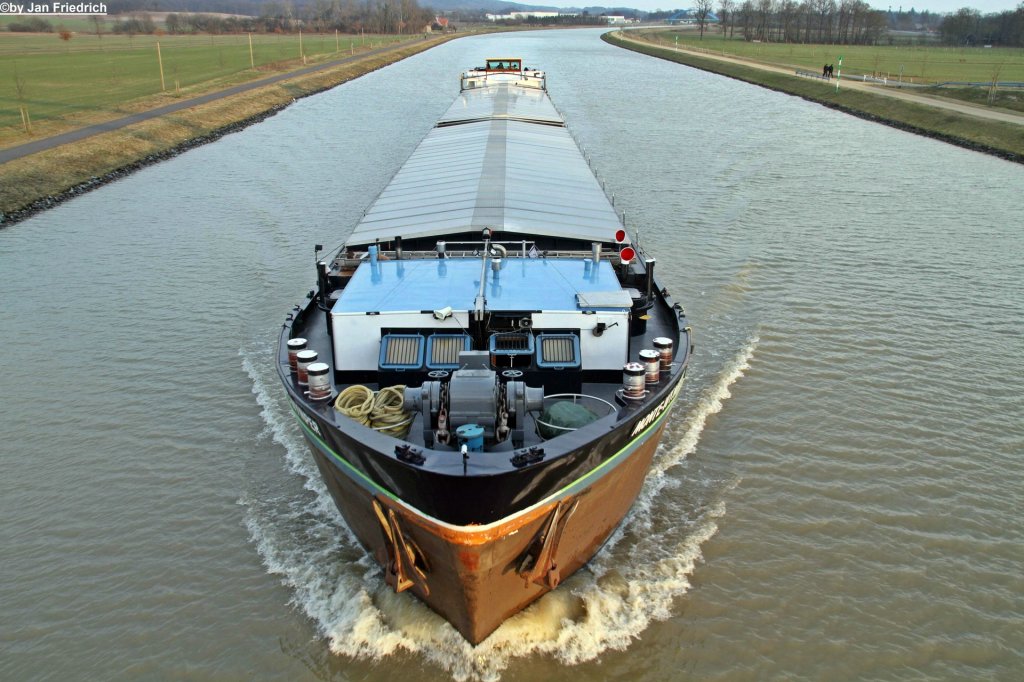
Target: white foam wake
[(671, 454), (709, 403), (630, 583)]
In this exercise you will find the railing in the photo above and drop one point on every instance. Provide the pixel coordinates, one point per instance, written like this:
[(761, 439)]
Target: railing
[(513, 249), (598, 407), (983, 84), (903, 83), (527, 79), (811, 74)]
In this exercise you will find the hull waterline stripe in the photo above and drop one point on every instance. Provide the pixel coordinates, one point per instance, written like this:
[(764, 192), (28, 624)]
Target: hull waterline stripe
[(596, 472)]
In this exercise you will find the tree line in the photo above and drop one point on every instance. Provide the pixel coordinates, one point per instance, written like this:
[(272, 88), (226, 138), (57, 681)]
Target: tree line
[(346, 16), (846, 22), (969, 27), (854, 22), (352, 16)]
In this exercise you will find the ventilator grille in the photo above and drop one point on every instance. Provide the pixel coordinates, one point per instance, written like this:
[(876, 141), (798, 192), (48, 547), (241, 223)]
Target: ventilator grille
[(512, 344), (557, 349), (401, 351), (443, 350)]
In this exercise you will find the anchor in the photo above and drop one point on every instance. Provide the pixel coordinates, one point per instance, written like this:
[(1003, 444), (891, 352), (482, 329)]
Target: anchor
[(404, 558), (538, 565)]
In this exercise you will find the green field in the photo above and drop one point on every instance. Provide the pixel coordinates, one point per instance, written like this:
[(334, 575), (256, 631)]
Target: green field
[(94, 78), (35, 179), (919, 64), (995, 137)]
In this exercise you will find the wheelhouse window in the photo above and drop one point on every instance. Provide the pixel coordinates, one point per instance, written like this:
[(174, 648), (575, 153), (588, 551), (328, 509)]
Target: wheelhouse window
[(504, 65)]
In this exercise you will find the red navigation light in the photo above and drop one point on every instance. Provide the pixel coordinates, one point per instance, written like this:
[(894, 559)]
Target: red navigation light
[(620, 236), (627, 254)]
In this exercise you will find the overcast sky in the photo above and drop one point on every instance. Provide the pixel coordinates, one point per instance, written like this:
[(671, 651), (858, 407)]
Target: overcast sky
[(938, 6)]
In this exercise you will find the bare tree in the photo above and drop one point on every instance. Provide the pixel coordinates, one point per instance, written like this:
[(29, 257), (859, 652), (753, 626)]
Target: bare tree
[(19, 83), (725, 10), (764, 17), (746, 19), (995, 83), (702, 8)]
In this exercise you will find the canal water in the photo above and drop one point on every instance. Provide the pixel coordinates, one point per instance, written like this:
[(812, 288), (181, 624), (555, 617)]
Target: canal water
[(838, 494)]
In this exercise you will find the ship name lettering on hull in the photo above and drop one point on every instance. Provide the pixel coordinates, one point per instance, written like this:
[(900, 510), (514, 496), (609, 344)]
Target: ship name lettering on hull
[(308, 421), (656, 412)]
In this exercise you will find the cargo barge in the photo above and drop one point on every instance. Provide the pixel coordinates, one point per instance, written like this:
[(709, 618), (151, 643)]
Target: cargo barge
[(486, 366)]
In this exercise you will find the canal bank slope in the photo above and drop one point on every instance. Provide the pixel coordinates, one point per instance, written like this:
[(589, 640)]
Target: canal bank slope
[(44, 173), (992, 132)]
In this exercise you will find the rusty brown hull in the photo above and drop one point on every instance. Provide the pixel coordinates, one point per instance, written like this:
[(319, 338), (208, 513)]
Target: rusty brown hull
[(479, 575)]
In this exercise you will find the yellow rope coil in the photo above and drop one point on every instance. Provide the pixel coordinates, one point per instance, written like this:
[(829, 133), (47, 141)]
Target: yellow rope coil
[(388, 416), (381, 411), (356, 402)]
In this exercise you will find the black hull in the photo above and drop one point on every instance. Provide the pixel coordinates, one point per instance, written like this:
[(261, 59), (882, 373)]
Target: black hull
[(477, 575)]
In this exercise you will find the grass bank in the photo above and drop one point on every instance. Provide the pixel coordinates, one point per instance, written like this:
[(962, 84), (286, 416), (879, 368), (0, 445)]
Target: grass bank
[(1005, 140), (62, 85), (1004, 99), (44, 179), (922, 64)]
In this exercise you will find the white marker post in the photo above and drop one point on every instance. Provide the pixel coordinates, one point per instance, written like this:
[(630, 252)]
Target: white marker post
[(839, 72)]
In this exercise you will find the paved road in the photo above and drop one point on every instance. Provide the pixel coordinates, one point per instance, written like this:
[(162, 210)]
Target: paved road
[(959, 107), (45, 143)]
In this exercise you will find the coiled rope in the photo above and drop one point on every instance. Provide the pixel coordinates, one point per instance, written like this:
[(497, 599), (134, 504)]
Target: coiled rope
[(381, 411), (356, 402), (387, 415)]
